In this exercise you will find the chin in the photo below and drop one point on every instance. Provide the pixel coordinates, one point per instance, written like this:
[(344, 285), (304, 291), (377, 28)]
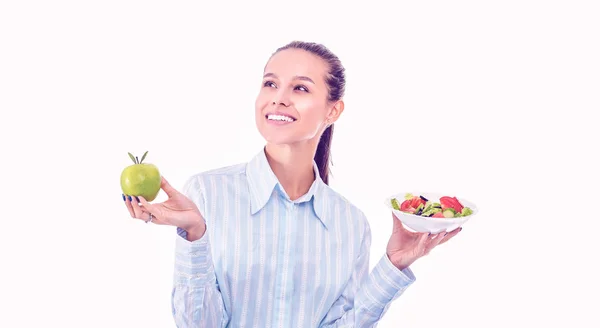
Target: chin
[(279, 139), (283, 135)]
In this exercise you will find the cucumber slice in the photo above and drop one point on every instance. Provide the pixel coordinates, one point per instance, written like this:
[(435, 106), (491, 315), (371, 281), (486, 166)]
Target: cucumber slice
[(431, 211), (449, 213)]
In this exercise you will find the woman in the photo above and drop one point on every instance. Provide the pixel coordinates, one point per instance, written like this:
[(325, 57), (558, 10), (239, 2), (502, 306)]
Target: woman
[(268, 243)]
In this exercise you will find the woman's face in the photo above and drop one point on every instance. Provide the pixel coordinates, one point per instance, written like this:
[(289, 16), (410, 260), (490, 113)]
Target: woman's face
[(292, 105)]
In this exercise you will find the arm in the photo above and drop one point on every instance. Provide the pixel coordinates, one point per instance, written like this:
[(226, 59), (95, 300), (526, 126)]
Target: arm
[(196, 299), (367, 297)]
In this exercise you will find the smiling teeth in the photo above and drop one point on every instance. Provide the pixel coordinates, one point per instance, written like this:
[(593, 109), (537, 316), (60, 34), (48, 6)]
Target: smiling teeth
[(280, 118)]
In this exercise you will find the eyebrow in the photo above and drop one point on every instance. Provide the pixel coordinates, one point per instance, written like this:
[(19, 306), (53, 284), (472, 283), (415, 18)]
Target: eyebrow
[(297, 77)]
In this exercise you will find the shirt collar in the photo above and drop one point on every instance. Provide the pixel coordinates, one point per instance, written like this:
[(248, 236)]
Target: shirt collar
[(262, 182)]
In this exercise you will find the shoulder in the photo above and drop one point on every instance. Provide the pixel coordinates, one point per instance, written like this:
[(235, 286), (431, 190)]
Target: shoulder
[(342, 205), (230, 170), (201, 179)]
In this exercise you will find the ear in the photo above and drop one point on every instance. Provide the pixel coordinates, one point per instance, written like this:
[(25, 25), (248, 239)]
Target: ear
[(335, 111)]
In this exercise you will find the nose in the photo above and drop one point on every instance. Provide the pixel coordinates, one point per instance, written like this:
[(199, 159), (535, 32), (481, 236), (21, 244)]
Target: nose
[(280, 103), (281, 98)]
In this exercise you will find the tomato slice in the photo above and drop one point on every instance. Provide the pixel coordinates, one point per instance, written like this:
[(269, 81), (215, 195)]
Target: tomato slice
[(416, 201), (405, 205), (451, 202)]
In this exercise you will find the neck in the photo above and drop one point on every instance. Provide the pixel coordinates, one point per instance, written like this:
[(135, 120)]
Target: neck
[(293, 167)]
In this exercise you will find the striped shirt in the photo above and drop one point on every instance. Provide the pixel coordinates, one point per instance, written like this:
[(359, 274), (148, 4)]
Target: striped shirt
[(267, 261)]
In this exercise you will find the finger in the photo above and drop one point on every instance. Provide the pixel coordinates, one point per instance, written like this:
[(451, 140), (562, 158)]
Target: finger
[(434, 241), (152, 209), (139, 213), (168, 189), (128, 204), (450, 235)]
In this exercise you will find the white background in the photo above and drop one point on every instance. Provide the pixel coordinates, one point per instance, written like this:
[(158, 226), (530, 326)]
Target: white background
[(491, 101)]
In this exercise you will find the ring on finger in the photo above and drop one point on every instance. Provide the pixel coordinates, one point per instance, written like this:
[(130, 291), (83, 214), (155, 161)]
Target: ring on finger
[(150, 217)]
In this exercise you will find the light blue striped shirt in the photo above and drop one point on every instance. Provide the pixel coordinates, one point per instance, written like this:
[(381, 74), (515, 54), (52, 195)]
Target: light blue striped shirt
[(267, 261)]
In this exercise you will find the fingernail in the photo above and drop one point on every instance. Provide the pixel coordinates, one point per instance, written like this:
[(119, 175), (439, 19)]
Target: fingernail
[(460, 229), (129, 198), (138, 200), (445, 233), (429, 234), (123, 197)]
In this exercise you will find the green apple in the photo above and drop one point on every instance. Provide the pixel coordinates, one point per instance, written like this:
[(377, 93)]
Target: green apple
[(141, 179)]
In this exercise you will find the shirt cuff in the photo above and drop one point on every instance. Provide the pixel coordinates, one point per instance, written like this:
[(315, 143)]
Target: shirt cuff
[(193, 260), (389, 282)]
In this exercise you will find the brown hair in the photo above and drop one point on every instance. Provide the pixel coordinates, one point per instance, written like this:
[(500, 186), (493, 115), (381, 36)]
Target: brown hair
[(336, 83)]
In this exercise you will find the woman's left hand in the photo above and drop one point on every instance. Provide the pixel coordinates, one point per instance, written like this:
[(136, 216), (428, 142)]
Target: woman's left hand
[(405, 247)]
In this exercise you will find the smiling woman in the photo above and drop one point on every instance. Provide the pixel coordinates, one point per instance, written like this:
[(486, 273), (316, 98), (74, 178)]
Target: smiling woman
[(268, 242), (314, 84)]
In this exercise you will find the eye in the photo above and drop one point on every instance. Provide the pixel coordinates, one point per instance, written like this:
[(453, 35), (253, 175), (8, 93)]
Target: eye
[(302, 88), (269, 84)]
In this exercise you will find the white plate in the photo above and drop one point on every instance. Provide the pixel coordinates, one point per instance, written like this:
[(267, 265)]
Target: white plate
[(429, 224)]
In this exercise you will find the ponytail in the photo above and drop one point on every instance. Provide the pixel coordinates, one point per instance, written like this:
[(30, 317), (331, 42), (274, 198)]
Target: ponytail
[(323, 154)]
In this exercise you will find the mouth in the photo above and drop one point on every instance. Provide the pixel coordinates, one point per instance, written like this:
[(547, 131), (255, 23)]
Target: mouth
[(280, 118)]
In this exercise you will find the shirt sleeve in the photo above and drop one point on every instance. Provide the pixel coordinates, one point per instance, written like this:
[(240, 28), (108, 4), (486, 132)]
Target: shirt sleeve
[(367, 297), (196, 298)]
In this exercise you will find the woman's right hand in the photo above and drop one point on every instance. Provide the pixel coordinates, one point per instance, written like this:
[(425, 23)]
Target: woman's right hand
[(178, 210)]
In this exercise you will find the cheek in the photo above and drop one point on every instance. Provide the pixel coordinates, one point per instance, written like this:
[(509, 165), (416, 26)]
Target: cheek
[(259, 103), (262, 99), (310, 110), (257, 106)]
